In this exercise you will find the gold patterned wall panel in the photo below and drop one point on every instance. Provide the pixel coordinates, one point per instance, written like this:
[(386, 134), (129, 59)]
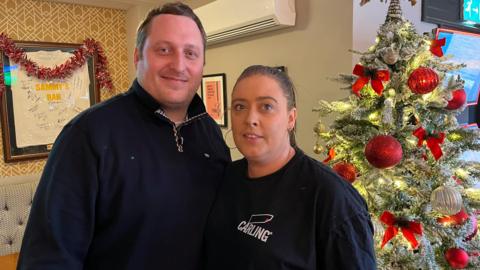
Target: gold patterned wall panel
[(35, 20)]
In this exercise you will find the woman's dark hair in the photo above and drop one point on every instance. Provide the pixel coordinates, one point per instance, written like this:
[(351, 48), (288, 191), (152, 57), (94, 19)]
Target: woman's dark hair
[(175, 8), (283, 81)]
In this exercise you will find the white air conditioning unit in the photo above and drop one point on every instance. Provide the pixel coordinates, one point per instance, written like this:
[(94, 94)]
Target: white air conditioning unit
[(228, 19)]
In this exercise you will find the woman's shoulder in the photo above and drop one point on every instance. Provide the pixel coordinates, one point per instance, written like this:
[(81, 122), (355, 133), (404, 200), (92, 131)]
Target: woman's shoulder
[(236, 165), (235, 171), (320, 176), (315, 170)]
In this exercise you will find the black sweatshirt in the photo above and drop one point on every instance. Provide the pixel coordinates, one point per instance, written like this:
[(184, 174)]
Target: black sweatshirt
[(116, 192), (303, 216)]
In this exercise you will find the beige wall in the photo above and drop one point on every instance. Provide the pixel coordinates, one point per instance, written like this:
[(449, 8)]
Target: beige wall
[(135, 15), (36, 20), (316, 48)]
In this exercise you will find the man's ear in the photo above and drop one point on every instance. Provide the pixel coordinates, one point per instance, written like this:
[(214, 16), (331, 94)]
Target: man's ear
[(136, 57)]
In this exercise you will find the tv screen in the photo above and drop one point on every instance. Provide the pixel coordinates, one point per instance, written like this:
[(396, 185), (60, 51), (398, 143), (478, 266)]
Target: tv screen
[(462, 47), (471, 11)]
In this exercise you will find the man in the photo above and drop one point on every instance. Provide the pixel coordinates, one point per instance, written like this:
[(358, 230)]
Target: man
[(129, 183)]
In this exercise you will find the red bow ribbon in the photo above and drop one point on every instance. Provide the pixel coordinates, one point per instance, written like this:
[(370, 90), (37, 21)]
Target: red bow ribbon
[(331, 155), (436, 46), (367, 74), (433, 141), (409, 228)]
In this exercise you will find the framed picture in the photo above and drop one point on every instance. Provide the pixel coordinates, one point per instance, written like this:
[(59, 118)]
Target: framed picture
[(34, 111), (214, 95)]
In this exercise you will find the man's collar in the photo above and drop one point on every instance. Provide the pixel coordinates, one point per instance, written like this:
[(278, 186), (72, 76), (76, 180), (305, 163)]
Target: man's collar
[(195, 108)]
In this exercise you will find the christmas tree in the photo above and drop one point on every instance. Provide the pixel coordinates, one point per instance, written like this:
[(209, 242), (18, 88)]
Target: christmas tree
[(397, 140)]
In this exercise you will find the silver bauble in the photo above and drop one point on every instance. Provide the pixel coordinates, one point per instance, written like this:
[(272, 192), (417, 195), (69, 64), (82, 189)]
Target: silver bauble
[(378, 229), (390, 35), (390, 56), (446, 200)]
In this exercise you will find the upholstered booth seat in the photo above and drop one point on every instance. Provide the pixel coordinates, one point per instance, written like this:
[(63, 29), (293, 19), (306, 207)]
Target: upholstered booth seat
[(16, 194)]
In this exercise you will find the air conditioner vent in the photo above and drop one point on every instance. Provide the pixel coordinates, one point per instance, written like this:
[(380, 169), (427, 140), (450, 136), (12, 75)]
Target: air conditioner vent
[(260, 26), (228, 19)]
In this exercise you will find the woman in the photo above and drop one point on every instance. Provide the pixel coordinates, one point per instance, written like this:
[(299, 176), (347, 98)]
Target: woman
[(278, 208)]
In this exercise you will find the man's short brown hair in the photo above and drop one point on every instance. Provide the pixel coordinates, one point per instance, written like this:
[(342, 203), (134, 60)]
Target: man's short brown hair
[(175, 8)]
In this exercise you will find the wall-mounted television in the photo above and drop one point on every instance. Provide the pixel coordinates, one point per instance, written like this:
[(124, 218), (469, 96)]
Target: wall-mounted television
[(456, 14), (463, 47)]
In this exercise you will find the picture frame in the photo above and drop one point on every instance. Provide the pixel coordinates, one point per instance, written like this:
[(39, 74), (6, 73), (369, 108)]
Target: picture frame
[(34, 111), (214, 96)]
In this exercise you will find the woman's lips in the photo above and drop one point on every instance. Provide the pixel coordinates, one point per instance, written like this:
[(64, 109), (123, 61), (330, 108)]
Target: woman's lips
[(252, 137)]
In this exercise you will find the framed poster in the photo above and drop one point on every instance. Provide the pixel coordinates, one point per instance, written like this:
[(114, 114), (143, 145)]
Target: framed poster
[(34, 111), (214, 97)]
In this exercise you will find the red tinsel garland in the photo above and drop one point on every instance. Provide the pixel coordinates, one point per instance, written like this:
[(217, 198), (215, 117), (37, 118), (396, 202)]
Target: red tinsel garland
[(89, 48)]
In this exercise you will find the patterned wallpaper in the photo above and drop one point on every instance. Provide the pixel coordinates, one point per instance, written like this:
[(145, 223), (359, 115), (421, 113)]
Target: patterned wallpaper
[(36, 20)]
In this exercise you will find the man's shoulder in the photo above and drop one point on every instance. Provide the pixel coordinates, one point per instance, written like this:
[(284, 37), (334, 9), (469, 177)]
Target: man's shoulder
[(98, 123), (107, 110)]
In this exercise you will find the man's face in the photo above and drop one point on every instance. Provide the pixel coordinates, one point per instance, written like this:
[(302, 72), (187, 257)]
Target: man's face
[(171, 64)]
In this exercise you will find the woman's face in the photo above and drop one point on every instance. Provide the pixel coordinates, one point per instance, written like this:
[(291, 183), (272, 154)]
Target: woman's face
[(260, 119)]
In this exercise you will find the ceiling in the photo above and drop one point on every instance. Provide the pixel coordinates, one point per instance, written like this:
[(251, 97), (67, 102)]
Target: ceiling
[(127, 4)]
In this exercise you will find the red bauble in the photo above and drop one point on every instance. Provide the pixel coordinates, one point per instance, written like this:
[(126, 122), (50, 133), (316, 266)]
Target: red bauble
[(457, 258), (383, 151), (457, 219), (460, 217), (346, 170), (423, 80), (458, 99)]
